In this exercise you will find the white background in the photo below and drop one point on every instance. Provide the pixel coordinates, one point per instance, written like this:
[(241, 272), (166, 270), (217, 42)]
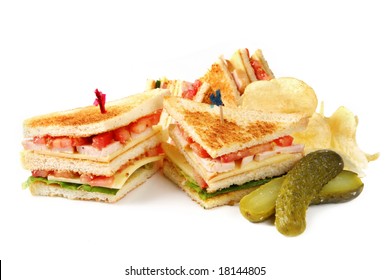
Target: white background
[(54, 54)]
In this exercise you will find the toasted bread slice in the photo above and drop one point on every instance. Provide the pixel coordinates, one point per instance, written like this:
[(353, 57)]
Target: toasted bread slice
[(220, 78), (239, 128), (87, 121)]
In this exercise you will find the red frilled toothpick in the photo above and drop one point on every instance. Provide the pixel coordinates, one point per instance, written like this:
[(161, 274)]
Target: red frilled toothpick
[(100, 100)]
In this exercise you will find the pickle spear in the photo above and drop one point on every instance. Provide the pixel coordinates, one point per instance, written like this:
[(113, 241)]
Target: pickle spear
[(259, 205), (300, 186)]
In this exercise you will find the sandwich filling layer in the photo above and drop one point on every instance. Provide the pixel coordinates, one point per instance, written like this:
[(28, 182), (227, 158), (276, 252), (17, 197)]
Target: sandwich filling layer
[(192, 180), (216, 171), (91, 183), (102, 147)]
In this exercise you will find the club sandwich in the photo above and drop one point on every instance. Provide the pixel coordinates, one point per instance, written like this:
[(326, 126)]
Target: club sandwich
[(89, 155)]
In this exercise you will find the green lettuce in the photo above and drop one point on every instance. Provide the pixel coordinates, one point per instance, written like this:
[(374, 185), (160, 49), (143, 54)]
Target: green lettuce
[(203, 194), (70, 186)]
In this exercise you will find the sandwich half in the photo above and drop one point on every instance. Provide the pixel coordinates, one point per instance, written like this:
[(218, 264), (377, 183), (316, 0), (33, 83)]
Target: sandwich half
[(217, 162), (233, 75), (88, 155)]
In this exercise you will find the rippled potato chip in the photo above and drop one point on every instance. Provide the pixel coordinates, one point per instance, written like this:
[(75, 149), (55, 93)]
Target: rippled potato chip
[(338, 132), (281, 95), (343, 124), (317, 134)]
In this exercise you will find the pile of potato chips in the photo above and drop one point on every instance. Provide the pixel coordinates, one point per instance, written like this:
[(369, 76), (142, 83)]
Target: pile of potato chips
[(337, 132)]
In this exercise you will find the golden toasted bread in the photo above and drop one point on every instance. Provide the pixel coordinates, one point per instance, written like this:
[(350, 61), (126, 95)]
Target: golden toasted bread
[(219, 78), (239, 129), (86, 121)]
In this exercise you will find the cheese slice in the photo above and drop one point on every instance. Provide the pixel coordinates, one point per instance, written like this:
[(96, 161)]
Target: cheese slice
[(119, 178), (177, 158)]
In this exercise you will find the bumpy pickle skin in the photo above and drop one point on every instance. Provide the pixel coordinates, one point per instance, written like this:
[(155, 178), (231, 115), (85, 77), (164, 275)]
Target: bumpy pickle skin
[(300, 186), (259, 205)]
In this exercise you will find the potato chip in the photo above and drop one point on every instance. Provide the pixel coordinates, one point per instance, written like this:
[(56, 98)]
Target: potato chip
[(317, 134), (281, 95), (343, 124), (338, 133)]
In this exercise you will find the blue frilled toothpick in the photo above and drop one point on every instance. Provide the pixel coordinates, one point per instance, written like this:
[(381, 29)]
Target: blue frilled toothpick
[(216, 99)]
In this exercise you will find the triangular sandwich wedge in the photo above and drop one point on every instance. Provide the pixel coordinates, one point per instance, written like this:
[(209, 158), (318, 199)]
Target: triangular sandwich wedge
[(88, 155), (217, 161)]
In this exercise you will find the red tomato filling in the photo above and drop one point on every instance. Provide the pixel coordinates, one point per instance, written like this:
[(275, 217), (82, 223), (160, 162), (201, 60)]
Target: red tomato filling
[(192, 91), (200, 181), (259, 71), (102, 140)]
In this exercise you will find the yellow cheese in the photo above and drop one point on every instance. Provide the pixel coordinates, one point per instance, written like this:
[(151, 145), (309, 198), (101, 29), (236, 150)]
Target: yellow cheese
[(177, 158), (119, 178)]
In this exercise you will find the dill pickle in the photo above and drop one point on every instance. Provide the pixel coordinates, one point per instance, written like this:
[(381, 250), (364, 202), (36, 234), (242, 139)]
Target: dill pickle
[(259, 205), (300, 186), (344, 187)]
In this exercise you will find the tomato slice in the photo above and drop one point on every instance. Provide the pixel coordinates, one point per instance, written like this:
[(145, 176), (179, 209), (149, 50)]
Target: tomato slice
[(61, 142), (198, 149), (143, 123), (122, 134), (65, 174), (40, 139), (97, 181), (40, 173), (80, 141), (259, 71), (193, 90), (247, 152), (200, 181), (158, 150), (102, 140), (284, 141)]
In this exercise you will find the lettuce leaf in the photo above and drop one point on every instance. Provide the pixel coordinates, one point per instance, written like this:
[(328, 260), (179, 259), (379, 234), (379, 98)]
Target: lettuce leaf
[(70, 186), (205, 195)]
